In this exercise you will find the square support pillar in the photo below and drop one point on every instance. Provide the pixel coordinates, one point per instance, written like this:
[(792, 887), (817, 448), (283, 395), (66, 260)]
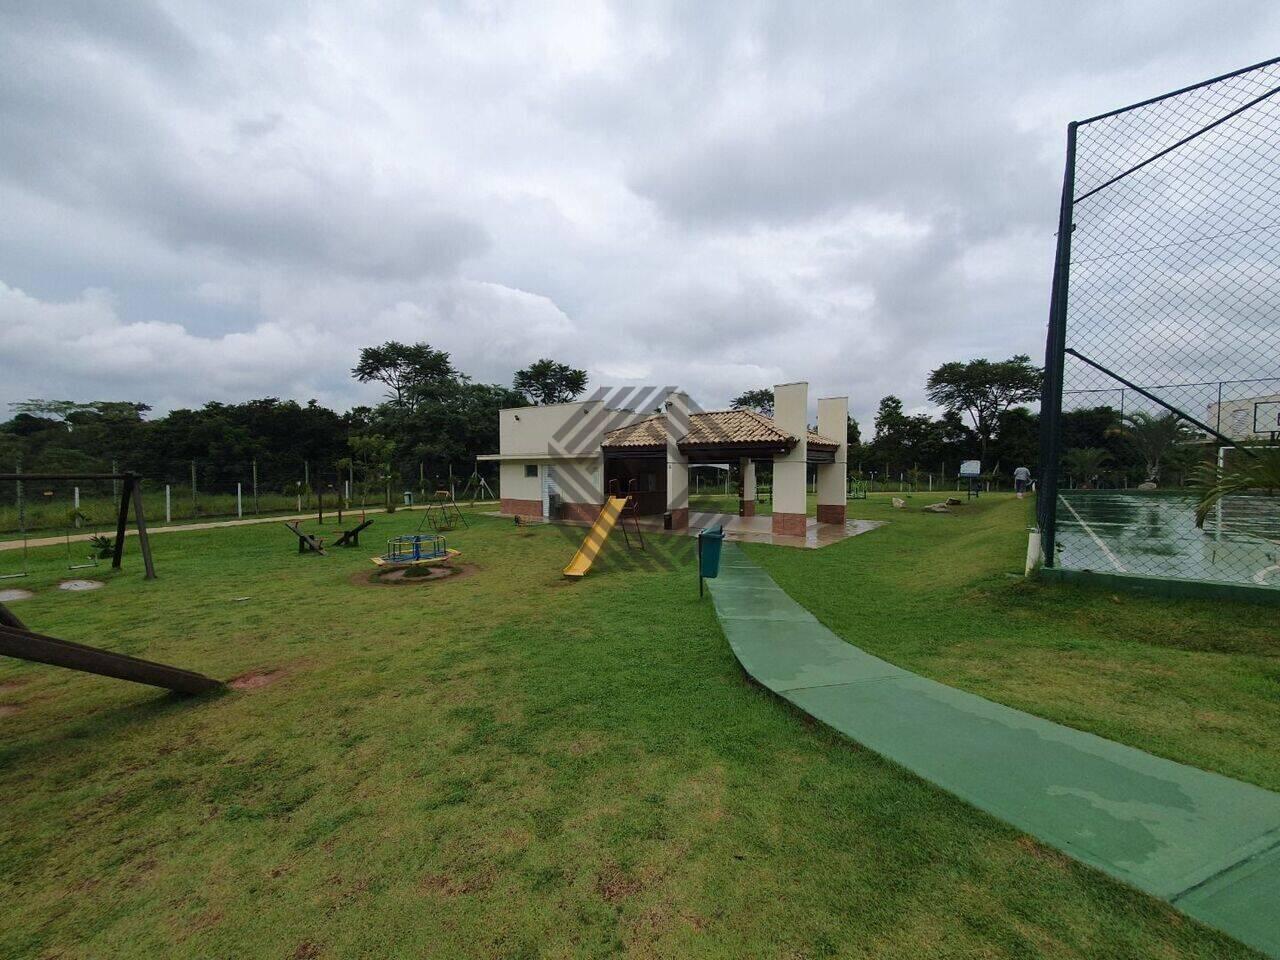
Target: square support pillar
[(833, 478), (676, 417), (747, 495), (790, 504)]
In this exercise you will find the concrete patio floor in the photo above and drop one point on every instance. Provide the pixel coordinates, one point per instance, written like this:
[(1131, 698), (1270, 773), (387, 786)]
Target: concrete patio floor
[(745, 529), (760, 529)]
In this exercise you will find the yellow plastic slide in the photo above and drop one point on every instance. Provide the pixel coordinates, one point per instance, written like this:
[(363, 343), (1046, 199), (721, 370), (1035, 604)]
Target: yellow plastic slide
[(593, 543)]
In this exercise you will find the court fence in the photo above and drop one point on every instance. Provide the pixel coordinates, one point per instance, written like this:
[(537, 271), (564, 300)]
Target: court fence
[(1165, 294)]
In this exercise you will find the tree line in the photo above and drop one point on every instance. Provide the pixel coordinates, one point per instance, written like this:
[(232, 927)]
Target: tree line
[(435, 419)]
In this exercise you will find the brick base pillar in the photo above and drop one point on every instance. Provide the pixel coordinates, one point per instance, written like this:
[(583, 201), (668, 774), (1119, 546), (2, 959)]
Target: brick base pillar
[(520, 508), (831, 513), (580, 512), (789, 524), (679, 518), (746, 508)]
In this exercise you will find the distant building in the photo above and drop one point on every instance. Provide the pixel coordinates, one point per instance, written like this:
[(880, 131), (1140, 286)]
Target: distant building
[(1250, 418)]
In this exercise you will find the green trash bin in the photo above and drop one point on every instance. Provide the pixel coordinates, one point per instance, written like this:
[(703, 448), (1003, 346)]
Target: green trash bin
[(710, 541)]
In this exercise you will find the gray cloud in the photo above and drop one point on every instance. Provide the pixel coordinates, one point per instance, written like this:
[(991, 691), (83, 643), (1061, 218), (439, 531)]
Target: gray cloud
[(721, 195)]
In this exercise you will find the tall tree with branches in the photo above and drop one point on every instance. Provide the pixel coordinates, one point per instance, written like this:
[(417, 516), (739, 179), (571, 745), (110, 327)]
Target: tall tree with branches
[(410, 371), (761, 401), (984, 389), (547, 381)]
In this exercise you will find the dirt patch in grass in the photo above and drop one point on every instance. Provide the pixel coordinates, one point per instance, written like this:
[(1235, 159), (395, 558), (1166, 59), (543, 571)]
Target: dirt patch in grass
[(8, 686), (443, 885), (255, 679), (614, 886), (412, 576), (9, 709)]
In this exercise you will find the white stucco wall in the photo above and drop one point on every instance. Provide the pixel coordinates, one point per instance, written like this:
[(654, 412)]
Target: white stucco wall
[(833, 423), (791, 414)]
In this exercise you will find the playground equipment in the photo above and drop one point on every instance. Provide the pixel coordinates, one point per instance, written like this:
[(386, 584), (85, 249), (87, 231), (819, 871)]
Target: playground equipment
[(476, 488), (615, 508), (414, 550), (77, 519), (306, 542), (441, 512), (130, 494), (22, 643), (351, 538)]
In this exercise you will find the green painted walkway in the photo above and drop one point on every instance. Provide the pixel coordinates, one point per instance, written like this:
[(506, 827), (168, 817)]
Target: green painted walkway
[(1207, 844)]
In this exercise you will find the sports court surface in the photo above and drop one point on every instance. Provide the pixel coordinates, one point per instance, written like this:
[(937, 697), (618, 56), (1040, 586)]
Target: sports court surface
[(1207, 844), (1154, 534)]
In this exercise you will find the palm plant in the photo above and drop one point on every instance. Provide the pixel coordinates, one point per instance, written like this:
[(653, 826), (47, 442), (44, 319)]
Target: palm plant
[(1261, 472), (1085, 463), (1154, 437)]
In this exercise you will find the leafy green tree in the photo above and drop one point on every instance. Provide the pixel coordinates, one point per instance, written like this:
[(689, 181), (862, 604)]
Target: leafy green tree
[(546, 381), (984, 389), (761, 401), (409, 371)]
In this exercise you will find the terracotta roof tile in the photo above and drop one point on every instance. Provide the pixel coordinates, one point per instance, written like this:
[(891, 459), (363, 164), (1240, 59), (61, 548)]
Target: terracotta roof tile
[(709, 428)]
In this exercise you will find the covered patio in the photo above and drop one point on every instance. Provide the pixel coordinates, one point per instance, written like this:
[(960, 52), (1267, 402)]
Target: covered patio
[(650, 459)]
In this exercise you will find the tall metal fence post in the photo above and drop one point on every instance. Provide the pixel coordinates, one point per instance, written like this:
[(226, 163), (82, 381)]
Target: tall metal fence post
[(193, 489), (1054, 359), (256, 510), (239, 502), (168, 504)]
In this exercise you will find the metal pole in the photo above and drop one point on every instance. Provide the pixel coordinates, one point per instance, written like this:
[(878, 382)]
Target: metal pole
[(255, 487), (193, 488), (168, 504), (1054, 360), (239, 502), (306, 480)]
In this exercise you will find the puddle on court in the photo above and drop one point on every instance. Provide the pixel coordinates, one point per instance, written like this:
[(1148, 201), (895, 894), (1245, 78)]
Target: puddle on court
[(1154, 534)]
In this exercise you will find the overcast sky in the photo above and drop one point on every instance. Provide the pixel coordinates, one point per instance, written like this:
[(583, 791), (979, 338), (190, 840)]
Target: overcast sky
[(227, 200)]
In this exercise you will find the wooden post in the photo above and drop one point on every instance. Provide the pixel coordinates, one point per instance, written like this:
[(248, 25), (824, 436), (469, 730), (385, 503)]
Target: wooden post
[(122, 521), (144, 544)]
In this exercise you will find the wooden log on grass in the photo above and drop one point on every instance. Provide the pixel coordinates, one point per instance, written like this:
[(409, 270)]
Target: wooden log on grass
[(27, 645)]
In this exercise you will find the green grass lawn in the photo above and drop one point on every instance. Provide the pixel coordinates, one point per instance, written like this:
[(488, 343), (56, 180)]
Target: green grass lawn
[(509, 765)]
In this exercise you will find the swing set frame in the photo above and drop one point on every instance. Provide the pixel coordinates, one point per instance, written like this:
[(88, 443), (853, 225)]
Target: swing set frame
[(130, 494)]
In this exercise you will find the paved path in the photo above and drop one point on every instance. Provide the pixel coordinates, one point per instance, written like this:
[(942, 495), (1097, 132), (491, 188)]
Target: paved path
[(1207, 844), (331, 516)]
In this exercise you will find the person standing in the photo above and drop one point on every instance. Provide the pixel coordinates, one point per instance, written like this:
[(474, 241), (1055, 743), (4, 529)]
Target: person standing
[(1021, 479)]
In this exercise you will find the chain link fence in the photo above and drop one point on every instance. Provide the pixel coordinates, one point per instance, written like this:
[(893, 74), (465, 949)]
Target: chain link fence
[(186, 491), (1163, 355)]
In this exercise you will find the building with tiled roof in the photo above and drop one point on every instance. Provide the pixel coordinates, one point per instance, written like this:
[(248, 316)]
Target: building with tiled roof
[(562, 460)]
